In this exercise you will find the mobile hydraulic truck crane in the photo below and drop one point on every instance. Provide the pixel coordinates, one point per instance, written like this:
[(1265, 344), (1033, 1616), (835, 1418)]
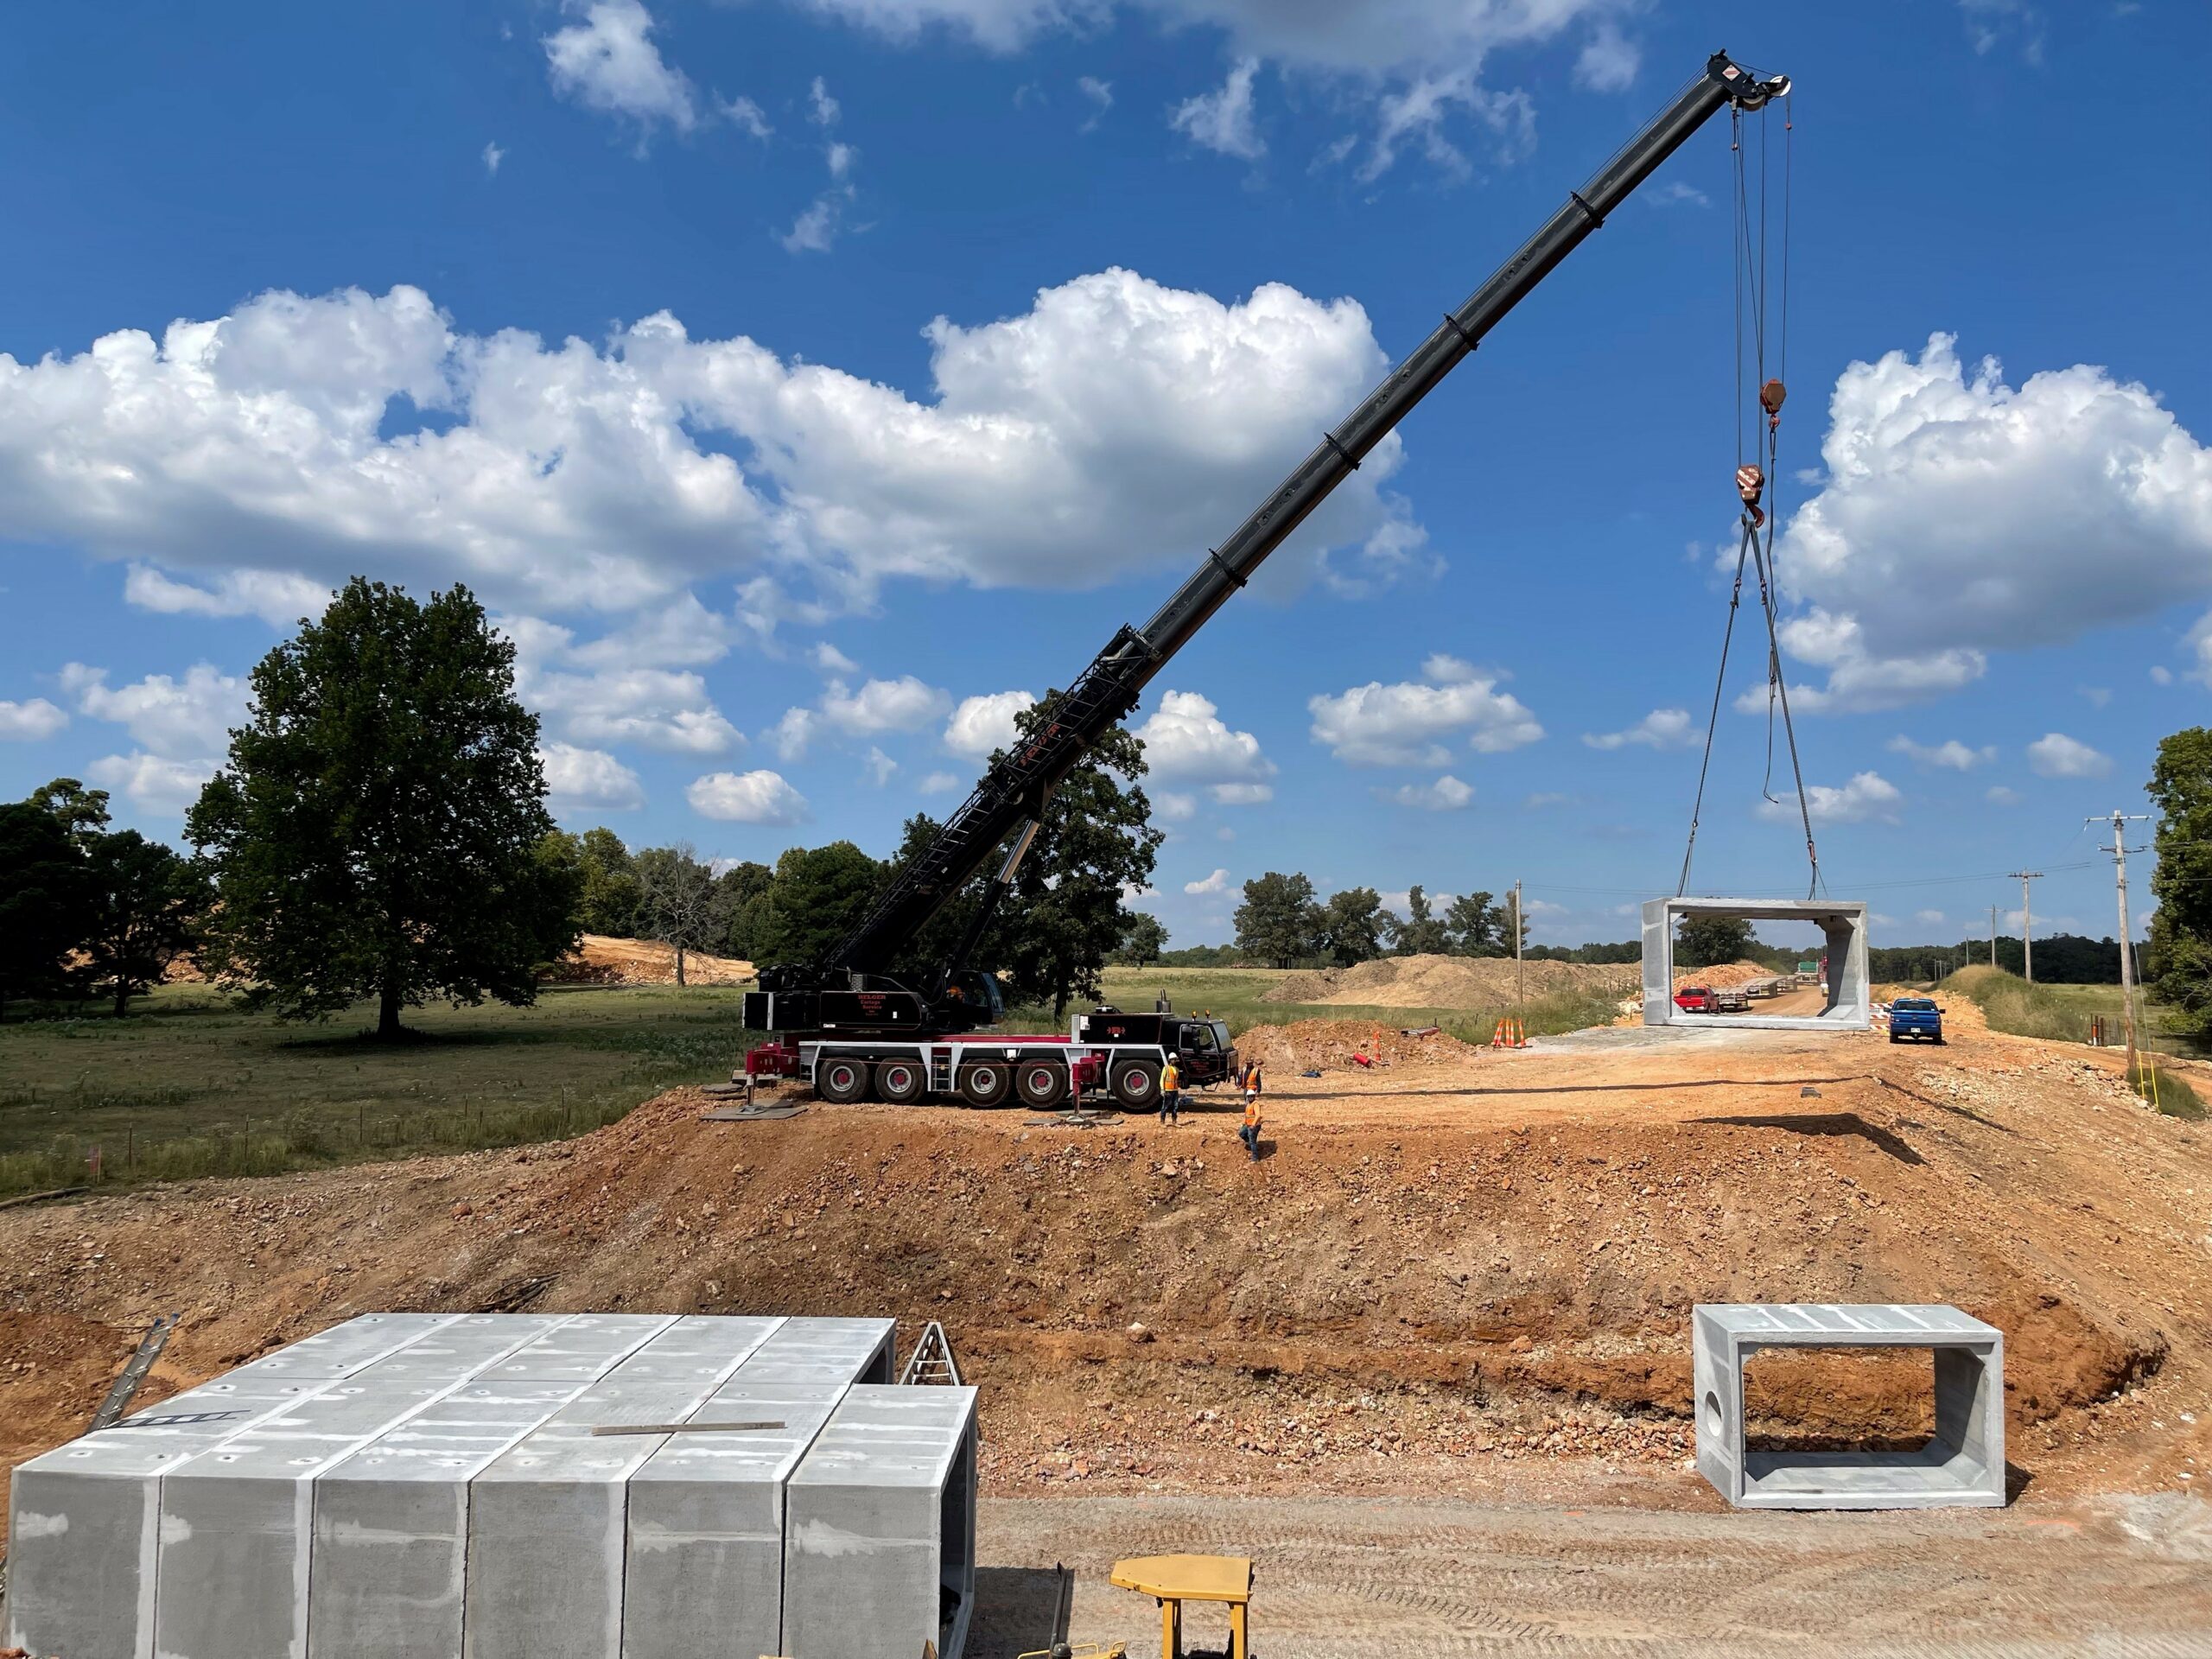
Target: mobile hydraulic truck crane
[(850, 1027)]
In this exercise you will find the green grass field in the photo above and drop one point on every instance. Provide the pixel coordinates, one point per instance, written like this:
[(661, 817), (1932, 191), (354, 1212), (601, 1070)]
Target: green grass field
[(189, 1084), (2063, 1012)]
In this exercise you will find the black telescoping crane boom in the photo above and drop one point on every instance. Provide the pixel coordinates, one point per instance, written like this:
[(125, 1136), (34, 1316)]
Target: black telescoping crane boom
[(1011, 796)]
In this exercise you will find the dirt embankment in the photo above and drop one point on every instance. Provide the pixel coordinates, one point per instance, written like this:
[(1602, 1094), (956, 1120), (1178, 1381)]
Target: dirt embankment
[(601, 960), (1722, 975), (1447, 982), (1459, 1253)]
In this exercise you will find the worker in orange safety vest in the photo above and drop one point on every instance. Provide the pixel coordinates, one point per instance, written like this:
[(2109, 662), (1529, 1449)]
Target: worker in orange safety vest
[(1171, 1094)]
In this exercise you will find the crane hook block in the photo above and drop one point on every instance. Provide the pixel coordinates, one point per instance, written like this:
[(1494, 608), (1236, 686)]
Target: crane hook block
[(1750, 484), (1771, 396)]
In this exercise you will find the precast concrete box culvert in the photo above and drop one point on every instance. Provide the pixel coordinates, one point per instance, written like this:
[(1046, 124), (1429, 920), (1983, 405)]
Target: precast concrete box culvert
[(1847, 1004), (476, 1486), (1962, 1463)]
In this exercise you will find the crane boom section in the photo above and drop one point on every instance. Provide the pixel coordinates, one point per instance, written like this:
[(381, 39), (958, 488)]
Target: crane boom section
[(1016, 786)]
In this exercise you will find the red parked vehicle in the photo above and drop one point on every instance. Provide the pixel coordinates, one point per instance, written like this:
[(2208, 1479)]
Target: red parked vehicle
[(1694, 999)]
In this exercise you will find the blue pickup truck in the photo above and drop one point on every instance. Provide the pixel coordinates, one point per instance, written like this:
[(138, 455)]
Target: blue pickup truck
[(1916, 1017)]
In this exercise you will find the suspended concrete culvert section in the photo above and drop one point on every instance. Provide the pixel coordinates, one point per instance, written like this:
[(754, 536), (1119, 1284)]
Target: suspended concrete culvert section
[(438, 1486), (1834, 996)]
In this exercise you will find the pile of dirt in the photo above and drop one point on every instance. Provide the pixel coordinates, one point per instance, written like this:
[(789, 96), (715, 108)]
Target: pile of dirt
[(1330, 1044), (1435, 1266), (1429, 981), (601, 960), (1722, 975)]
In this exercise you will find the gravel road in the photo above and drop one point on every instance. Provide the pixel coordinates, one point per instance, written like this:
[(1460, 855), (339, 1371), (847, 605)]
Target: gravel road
[(2122, 1577)]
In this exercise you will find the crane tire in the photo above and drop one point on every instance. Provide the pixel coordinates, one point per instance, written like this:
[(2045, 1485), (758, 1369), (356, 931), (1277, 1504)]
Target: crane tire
[(1136, 1086), (986, 1082), (840, 1078), (1042, 1081), (901, 1082)]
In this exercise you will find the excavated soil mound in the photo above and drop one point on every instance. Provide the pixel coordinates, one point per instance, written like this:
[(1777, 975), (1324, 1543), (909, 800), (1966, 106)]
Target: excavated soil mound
[(1434, 1268), (1330, 1044), (604, 961), (1445, 981), (1723, 975)]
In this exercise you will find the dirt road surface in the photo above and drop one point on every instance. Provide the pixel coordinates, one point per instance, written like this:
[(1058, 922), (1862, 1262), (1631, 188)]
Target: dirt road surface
[(1459, 1277), (1336, 1578)]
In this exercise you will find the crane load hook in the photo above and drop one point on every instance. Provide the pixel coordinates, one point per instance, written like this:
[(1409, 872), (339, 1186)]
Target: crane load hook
[(1750, 484)]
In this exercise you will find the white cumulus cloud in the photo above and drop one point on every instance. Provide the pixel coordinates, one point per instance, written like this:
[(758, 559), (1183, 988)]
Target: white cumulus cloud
[(1186, 741), (29, 721), (906, 704), (1959, 515), (1949, 753), (588, 780), (1139, 421), (981, 725), (1217, 882), (1663, 728), (2057, 755), (279, 598), (1407, 724), (1221, 119), (1446, 794), (153, 783), (1868, 795), (608, 62), (747, 797), (180, 719)]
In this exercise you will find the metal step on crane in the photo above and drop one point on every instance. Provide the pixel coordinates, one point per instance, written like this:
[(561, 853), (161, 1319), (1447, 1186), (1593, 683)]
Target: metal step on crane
[(849, 1026)]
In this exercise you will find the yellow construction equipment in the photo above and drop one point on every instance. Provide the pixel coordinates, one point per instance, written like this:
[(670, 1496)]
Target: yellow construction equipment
[(1174, 1580)]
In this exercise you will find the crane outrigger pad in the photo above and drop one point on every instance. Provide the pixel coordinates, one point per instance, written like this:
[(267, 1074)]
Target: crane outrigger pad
[(1845, 1004)]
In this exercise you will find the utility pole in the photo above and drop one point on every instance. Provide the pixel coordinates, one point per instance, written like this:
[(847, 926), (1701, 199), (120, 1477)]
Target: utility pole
[(1520, 973), (2027, 923), (1993, 936), (2127, 947)]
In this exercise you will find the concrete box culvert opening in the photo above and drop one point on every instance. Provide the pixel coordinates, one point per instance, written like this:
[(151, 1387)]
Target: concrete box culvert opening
[(1841, 1001), (1952, 1453), (429, 1486)]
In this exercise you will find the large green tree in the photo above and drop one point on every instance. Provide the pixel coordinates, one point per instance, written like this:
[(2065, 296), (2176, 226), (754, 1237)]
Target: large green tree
[(1705, 941), (1143, 938), (1422, 934), (1476, 926), (1094, 844), (376, 831), (1279, 923), (2180, 964), (148, 905), (1353, 925), (609, 901), (734, 915), (45, 900), (819, 895)]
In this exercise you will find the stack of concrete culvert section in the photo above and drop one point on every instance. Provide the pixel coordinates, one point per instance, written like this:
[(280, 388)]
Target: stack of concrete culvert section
[(429, 1486)]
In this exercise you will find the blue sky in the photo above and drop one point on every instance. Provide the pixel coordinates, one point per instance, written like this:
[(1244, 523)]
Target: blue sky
[(800, 380)]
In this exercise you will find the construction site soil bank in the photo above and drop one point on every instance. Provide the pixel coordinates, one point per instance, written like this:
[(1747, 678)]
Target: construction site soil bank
[(1460, 1278)]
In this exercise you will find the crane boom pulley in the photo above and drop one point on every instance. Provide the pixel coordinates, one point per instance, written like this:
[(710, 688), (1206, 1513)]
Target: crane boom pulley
[(1012, 794)]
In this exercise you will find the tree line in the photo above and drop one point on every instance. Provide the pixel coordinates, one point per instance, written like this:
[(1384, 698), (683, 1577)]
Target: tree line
[(1049, 940), (378, 832)]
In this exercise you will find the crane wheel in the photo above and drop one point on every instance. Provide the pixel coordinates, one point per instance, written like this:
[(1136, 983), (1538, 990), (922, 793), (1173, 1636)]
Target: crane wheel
[(840, 1079), (900, 1082), (985, 1083), (1042, 1083), (1137, 1087)]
